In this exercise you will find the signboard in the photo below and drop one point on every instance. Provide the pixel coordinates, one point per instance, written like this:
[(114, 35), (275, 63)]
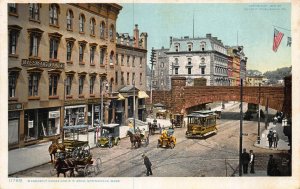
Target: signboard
[(30, 124), (54, 114), (15, 106), (42, 64), (97, 108)]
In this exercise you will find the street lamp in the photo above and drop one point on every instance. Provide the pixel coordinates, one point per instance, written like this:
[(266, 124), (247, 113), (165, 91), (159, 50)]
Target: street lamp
[(102, 82), (241, 130), (133, 106), (258, 129)]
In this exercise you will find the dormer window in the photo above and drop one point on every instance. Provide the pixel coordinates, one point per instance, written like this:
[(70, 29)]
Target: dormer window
[(190, 47), (177, 47)]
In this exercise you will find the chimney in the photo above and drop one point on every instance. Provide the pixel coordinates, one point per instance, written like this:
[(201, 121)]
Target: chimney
[(136, 36), (208, 35)]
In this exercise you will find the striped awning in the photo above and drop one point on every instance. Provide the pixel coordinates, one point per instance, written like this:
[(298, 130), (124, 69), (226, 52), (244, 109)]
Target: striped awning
[(142, 94)]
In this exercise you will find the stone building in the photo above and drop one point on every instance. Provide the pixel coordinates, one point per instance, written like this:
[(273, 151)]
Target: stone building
[(130, 72), (161, 80), (57, 55), (239, 64)]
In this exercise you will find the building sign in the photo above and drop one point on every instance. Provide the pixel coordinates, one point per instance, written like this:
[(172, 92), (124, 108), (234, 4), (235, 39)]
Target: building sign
[(30, 124), (16, 106), (42, 64), (74, 102), (54, 114)]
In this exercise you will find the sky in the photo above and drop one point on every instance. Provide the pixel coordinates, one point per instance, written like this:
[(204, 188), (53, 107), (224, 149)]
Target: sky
[(248, 25)]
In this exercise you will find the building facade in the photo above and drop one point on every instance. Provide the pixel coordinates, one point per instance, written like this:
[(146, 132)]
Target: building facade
[(59, 54), (160, 78)]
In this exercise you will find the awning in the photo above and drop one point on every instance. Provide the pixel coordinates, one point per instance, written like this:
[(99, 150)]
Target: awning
[(121, 97), (142, 94)]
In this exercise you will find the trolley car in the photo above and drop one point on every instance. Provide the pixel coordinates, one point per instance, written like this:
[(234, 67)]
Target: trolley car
[(201, 123)]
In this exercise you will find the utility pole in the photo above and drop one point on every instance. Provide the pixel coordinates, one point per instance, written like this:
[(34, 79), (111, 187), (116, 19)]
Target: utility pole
[(152, 60), (267, 114), (258, 128), (134, 106), (241, 130)]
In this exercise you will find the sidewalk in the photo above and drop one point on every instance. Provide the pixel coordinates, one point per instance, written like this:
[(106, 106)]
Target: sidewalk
[(283, 140)]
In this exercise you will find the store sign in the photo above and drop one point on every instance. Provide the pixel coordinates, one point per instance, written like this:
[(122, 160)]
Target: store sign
[(30, 124), (16, 106), (74, 102), (54, 114), (42, 64)]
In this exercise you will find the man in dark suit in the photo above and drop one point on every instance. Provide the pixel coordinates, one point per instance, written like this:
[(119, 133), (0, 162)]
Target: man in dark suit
[(147, 164), (245, 161)]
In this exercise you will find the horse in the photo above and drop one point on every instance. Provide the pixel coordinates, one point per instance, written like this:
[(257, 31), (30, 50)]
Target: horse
[(65, 165), (54, 147), (134, 138)]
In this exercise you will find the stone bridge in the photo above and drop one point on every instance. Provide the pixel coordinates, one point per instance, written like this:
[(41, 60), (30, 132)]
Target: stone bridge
[(182, 98)]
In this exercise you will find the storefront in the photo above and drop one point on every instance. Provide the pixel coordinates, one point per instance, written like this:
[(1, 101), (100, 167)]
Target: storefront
[(40, 123), (75, 115), (14, 111)]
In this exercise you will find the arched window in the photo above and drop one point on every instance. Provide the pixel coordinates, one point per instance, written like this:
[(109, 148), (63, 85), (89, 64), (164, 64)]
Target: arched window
[(111, 58), (102, 30), (53, 11), (111, 32), (81, 23), (70, 20), (92, 26)]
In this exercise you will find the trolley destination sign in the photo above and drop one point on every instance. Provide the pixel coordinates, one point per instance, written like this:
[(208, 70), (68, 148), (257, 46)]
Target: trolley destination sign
[(42, 64)]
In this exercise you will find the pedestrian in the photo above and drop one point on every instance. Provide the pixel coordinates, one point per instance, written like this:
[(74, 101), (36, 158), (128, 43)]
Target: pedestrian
[(245, 161), (147, 164), (270, 138), (271, 166), (252, 159), (275, 138)]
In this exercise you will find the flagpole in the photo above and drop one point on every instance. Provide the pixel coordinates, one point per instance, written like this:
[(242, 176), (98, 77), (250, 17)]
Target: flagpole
[(281, 28)]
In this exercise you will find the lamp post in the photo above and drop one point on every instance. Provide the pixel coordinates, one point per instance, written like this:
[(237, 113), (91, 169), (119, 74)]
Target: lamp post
[(102, 81), (65, 80), (133, 106), (258, 128), (241, 130)]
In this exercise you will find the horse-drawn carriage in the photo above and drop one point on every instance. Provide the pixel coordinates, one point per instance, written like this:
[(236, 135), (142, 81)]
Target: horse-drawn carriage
[(73, 154), (154, 127), (166, 139), (177, 120), (138, 137), (109, 136)]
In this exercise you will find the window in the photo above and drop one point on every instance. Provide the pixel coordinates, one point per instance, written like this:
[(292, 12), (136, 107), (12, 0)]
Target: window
[(92, 26), (33, 84), (92, 83), (116, 76), (141, 78), (202, 70), (102, 29), (34, 11), (127, 78), (34, 44), (189, 61), (111, 58), (12, 81), (162, 64), (117, 59), (81, 80), (13, 35), (176, 48), (54, 14), (12, 8), (176, 61), (70, 20), (190, 47), (141, 61), (122, 59), (68, 85), (69, 51), (81, 51), (176, 71), (92, 54), (122, 78), (102, 56), (111, 33), (133, 59), (202, 60), (189, 71), (53, 48), (133, 78), (128, 57), (53, 84), (81, 23)]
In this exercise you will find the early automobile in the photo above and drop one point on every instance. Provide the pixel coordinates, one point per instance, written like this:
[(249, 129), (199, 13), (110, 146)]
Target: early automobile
[(110, 136), (201, 123), (177, 120), (166, 139)]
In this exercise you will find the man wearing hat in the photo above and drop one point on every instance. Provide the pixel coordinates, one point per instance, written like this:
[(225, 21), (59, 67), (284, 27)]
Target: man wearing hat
[(275, 138), (147, 164)]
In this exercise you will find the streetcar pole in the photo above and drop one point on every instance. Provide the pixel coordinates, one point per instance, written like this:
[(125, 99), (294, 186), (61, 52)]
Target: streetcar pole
[(241, 130)]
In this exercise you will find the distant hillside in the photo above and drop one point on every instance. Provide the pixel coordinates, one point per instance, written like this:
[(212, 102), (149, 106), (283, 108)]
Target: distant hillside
[(278, 74)]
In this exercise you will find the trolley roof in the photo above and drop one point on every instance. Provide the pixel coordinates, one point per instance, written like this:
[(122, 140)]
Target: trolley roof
[(202, 113), (111, 125)]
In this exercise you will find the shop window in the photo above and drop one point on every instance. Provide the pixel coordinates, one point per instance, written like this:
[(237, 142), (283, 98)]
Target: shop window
[(54, 10), (92, 54), (102, 30), (34, 11), (70, 17), (53, 80), (92, 27), (81, 23), (33, 84), (12, 82), (92, 83), (102, 56)]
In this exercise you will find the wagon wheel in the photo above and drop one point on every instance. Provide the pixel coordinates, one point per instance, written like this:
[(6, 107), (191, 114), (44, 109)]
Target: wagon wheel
[(52, 169), (98, 166), (172, 145), (89, 170)]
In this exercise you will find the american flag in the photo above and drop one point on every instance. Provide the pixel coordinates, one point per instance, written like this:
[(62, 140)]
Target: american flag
[(277, 39)]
